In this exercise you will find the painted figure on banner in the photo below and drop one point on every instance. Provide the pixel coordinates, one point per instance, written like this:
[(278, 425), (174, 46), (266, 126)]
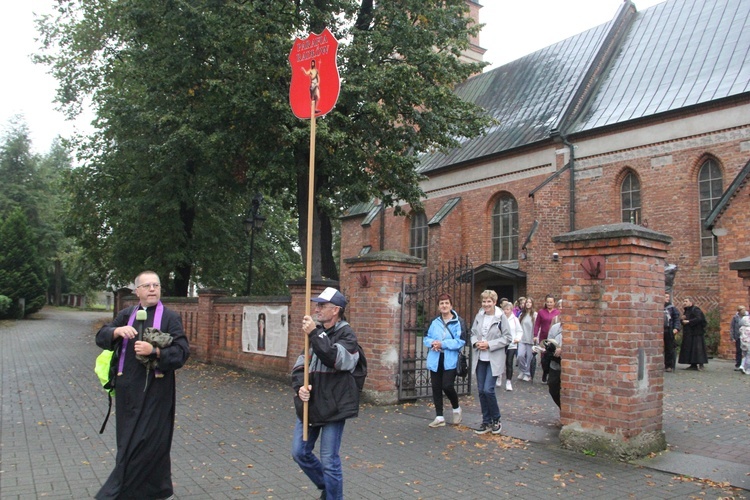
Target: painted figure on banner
[(261, 332), (314, 83)]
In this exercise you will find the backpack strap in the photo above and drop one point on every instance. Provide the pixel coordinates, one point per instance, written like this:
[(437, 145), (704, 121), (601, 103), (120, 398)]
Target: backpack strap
[(109, 411)]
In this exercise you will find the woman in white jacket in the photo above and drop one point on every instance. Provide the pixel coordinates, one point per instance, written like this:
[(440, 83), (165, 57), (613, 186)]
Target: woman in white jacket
[(489, 336), (516, 332)]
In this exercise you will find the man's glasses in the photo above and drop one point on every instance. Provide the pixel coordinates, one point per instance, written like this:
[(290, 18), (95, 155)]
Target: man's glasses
[(324, 305), (145, 286)]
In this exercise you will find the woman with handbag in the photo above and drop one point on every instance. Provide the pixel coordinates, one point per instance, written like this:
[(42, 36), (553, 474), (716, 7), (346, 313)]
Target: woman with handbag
[(444, 341), (490, 333)]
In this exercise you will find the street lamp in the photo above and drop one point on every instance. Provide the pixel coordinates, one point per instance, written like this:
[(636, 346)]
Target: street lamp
[(253, 222)]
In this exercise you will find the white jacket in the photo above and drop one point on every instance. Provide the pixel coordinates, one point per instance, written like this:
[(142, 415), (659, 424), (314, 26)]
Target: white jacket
[(497, 337), (516, 332)]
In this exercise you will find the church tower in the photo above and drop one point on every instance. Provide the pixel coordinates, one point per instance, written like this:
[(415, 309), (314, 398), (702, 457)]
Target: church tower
[(475, 53)]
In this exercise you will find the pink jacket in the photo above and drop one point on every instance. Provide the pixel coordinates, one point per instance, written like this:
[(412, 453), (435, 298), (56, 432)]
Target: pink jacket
[(543, 322)]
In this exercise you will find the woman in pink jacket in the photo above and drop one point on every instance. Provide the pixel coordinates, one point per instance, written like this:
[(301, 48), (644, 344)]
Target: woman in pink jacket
[(542, 325)]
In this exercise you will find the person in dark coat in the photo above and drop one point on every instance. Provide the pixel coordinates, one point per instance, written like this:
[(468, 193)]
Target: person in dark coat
[(693, 349), (144, 399), (332, 394), (553, 351)]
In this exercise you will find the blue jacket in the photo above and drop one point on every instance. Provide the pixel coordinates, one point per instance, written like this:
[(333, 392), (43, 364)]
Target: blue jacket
[(450, 335)]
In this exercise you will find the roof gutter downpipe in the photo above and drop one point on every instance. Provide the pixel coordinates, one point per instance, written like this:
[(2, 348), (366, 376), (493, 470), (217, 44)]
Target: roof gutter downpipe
[(572, 163)]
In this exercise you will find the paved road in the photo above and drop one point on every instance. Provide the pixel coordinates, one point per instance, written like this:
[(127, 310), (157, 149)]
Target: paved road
[(233, 435)]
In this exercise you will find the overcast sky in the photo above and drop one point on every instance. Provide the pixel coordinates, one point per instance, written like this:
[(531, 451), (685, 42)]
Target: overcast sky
[(513, 29)]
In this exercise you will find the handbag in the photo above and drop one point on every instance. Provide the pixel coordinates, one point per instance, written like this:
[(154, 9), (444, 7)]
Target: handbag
[(462, 367)]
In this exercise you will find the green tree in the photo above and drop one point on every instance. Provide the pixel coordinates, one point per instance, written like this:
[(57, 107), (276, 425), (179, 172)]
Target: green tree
[(22, 273), (33, 184), (193, 118), (18, 168), (53, 203)]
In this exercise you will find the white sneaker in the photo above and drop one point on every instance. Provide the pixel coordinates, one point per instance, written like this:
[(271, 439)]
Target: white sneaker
[(520, 376), (438, 422), (499, 382), (457, 416), (526, 378), (508, 385)]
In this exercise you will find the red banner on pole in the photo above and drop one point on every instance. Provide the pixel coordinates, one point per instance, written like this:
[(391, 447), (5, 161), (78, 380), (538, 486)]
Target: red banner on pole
[(315, 75)]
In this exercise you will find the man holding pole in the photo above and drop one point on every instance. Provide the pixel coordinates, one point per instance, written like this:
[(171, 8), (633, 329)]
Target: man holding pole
[(332, 395)]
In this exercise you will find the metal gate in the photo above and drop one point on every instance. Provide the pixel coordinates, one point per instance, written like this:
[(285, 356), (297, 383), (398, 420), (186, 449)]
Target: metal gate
[(418, 308)]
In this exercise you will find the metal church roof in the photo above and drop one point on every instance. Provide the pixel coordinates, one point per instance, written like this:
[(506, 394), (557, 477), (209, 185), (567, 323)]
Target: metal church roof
[(525, 96), (444, 211), (676, 54), (740, 180), (673, 55)]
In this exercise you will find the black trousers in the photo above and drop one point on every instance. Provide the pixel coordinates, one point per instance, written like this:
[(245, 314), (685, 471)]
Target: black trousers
[(443, 381), (553, 384), (737, 353), (510, 358)]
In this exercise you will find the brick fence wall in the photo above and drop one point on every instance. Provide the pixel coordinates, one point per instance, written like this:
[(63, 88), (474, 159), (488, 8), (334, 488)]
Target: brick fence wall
[(213, 325), (213, 321)]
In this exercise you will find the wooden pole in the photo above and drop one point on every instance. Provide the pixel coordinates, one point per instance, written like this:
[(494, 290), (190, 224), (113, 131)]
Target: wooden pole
[(308, 274)]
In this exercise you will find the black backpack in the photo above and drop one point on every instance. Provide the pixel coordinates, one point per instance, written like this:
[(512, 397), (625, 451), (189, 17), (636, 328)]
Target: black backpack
[(360, 371)]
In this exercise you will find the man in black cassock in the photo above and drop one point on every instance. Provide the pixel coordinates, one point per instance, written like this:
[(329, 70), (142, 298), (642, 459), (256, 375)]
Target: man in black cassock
[(144, 418), (693, 348)]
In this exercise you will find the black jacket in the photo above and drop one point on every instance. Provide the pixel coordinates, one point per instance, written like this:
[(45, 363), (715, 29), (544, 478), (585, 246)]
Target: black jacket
[(693, 348), (671, 318), (334, 395)]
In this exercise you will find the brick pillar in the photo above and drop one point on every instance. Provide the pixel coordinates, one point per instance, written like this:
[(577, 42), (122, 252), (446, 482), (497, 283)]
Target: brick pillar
[(207, 335), (612, 355), (298, 289), (742, 267), (120, 295), (373, 289)]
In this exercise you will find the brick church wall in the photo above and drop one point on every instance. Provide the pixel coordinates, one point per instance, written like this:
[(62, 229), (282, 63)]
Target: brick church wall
[(668, 175)]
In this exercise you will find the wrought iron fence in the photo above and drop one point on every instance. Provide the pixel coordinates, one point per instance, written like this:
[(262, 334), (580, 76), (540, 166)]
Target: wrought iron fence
[(419, 301)]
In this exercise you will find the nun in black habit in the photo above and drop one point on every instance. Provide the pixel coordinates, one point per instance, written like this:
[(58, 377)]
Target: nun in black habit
[(144, 399)]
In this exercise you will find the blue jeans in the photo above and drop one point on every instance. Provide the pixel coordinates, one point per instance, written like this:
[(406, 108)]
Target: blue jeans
[(325, 473), (486, 389)]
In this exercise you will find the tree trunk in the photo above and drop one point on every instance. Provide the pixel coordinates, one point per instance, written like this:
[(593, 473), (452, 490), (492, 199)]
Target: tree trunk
[(183, 271), (58, 283), (323, 263), (328, 264), (181, 284), (302, 203)]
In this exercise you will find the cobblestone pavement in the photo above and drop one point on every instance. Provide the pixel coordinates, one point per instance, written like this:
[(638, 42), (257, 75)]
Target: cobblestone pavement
[(233, 435)]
